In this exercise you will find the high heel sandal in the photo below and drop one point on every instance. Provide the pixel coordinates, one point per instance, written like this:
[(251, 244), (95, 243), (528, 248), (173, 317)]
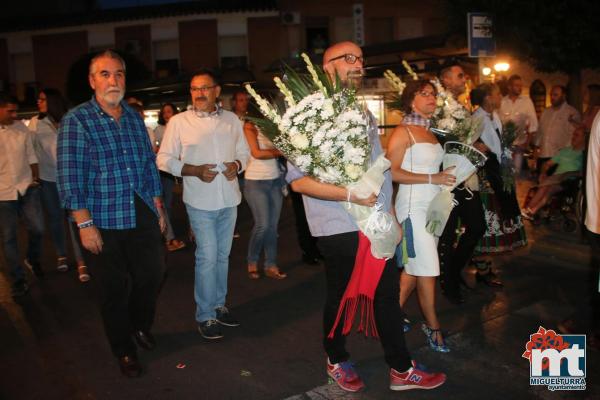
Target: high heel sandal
[(431, 339), (274, 273), (84, 276), (253, 272)]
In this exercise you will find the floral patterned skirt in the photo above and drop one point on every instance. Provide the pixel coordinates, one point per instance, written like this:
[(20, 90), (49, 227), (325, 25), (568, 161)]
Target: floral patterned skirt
[(502, 233)]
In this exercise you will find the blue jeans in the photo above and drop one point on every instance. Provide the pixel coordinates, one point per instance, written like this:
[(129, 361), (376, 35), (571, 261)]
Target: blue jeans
[(214, 234), (168, 182), (56, 216), (29, 208), (264, 198)]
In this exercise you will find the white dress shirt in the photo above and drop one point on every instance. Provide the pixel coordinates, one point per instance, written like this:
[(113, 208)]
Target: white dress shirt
[(214, 139), (16, 156), (522, 113), (489, 136), (45, 136), (592, 186), (556, 129)]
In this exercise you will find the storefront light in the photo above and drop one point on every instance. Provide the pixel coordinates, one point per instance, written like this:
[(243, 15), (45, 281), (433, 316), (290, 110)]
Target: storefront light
[(486, 71), (502, 67)]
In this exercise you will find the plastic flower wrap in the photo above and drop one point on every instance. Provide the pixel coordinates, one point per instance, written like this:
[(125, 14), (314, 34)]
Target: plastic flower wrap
[(465, 159), (323, 131)]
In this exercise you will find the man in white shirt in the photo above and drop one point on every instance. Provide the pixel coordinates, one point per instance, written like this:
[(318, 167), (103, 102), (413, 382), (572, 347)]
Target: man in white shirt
[(557, 124), (206, 145), (19, 194), (519, 109), (592, 220)]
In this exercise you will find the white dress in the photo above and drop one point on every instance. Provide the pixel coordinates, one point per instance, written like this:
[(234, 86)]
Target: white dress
[(426, 159)]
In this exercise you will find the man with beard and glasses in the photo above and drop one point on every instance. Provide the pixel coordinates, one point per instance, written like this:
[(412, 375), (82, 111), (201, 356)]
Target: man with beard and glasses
[(107, 178), (207, 147), (338, 243)]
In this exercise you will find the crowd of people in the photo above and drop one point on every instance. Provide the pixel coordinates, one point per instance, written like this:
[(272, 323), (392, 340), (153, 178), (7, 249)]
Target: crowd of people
[(100, 172)]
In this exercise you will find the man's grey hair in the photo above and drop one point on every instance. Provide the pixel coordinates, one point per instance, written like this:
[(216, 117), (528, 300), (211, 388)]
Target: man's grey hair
[(106, 54)]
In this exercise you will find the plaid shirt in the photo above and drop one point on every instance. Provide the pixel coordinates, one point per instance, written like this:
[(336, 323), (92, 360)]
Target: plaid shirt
[(102, 164)]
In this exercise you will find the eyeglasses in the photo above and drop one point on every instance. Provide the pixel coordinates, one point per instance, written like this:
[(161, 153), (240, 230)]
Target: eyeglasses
[(425, 93), (349, 58), (202, 88)]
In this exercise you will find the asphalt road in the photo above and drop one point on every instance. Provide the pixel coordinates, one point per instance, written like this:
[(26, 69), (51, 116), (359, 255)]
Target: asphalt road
[(53, 345)]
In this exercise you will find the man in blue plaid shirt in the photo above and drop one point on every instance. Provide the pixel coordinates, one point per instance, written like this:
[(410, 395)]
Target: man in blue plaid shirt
[(107, 178)]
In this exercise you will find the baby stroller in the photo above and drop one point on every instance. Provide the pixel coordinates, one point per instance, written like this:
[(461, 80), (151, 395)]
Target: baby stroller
[(564, 208)]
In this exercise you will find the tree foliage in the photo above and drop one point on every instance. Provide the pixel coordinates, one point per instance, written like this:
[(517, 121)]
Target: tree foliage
[(552, 35)]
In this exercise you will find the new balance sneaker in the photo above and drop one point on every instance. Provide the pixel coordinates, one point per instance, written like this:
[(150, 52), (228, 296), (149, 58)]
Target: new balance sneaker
[(224, 317), (345, 376), (415, 378), (210, 329)]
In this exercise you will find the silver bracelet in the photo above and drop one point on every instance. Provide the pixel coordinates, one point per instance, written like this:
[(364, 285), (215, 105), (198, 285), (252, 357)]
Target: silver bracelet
[(429, 178), (86, 224)]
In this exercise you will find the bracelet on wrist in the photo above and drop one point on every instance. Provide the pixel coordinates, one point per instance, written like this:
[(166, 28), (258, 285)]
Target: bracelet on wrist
[(429, 178), (86, 224)]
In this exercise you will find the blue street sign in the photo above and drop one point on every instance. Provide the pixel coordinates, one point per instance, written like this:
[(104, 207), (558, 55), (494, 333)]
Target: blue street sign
[(481, 38)]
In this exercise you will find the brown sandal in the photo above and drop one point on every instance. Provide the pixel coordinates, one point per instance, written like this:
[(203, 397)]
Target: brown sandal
[(253, 272), (274, 273)]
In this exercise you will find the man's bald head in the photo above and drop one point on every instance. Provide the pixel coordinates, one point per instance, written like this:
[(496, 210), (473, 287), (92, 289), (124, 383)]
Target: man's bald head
[(338, 59)]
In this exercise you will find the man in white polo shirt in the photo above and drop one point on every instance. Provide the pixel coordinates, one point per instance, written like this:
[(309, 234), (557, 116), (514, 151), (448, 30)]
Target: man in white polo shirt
[(206, 146), (519, 108)]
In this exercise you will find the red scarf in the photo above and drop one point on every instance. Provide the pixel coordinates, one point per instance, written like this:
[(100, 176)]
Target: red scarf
[(360, 291)]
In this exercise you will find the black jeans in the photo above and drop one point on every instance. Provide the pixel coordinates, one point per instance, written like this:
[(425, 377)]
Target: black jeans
[(453, 259), (127, 274), (339, 252), (307, 242)]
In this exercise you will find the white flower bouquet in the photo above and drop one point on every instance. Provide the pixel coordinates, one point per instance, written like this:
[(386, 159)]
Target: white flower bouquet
[(452, 120), (323, 131), (460, 129)]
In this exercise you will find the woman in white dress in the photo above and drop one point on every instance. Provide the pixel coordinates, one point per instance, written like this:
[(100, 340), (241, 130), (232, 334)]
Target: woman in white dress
[(416, 156)]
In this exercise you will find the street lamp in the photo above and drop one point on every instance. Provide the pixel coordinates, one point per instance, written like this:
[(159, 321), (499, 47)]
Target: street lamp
[(486, 71)]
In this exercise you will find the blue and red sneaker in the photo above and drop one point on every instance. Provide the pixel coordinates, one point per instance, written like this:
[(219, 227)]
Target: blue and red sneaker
[(345, 376), (415, 378)]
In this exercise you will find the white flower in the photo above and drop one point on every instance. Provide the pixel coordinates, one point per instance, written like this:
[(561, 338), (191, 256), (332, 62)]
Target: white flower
[(300, 141), (327, 111), (353, 154), (353, 171), (447, 124), (303, 161)]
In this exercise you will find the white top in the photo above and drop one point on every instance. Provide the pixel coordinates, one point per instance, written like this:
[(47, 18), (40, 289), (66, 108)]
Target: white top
[(522, 113), (159, 133), (556, 128), (45, 136), (16, 156), (214, 139), (489, 136), (262, 169), (592, 185)]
